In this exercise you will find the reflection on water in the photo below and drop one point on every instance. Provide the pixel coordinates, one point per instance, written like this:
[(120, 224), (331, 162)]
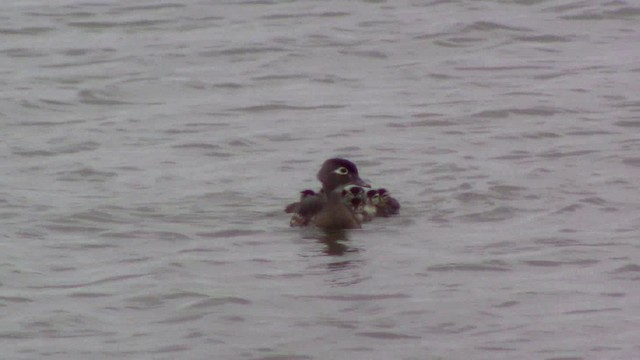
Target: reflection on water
[(335, 242)]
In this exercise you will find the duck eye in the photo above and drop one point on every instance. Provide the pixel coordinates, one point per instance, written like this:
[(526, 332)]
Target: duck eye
[(342, 171)]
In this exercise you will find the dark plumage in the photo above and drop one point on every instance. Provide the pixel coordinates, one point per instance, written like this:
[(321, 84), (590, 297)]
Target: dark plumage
[(336, 213), (336, 172)]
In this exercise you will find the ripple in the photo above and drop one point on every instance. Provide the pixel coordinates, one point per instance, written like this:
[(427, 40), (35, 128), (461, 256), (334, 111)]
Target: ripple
[(243, 51), (15, 299), (450, 328), (171, 348), (491, 26), (627, 123), (229, 233), (499, 213), (514, 155), (129, 9), (33, 30), (545, 38), (556, 154), (540, 135), (630, 268), (373, 54), (89, 295), (589, 311), (421, 123), (200, 146), (326, 14), (549, 263), (282, 107), (387, 335), (635, 161), (471, 196), (109, 279), (85, 174), (139, 234), (503, 113), (100, 216), (23, 53), (219, 301), (74, 228), (115, 24), (179, 319), (627, 12), (284, 357), (498, 266), (559, 242), (357, 297), (98, 97)]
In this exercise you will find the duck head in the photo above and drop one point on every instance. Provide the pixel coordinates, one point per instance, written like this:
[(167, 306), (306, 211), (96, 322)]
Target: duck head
[(336, 172)]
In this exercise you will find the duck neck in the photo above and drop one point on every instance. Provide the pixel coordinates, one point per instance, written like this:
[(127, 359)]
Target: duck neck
[(335, 195)]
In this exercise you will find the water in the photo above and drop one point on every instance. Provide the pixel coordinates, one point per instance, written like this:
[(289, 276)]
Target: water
[(148, 150)]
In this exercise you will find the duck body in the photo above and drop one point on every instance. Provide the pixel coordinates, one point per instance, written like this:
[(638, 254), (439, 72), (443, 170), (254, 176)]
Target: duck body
[(336, 213)]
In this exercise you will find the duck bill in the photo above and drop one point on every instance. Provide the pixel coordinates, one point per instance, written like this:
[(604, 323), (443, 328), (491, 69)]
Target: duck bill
[(360, 182)]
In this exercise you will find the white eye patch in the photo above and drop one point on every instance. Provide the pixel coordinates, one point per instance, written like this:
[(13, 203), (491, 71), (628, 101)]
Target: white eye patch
[(341, 171)]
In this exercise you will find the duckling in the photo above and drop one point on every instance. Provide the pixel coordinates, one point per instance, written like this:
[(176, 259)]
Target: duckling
[(372, 203), (356, 198), (294, 207), (387, 205)]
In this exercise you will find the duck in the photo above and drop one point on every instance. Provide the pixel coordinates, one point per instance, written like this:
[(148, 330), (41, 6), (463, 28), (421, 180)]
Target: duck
[(329, 208)]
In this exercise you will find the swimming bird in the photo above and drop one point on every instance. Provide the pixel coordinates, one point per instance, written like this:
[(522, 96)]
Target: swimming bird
[(356, 198), (327, 209), (294, 207), (387, 205)]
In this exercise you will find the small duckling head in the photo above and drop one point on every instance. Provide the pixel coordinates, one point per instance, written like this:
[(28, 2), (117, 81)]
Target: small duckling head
[(356, 205), (384, 195), (306, 193), (374, 197)]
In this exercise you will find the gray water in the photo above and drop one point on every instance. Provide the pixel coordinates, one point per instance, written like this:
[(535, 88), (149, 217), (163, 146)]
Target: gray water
[(148, 149)]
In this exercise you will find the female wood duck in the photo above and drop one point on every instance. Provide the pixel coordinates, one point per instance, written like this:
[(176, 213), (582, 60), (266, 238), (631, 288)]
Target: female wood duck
[(328, 209)]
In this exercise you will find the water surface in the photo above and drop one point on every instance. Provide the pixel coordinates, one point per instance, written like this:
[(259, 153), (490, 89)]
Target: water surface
[(148, 150)]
